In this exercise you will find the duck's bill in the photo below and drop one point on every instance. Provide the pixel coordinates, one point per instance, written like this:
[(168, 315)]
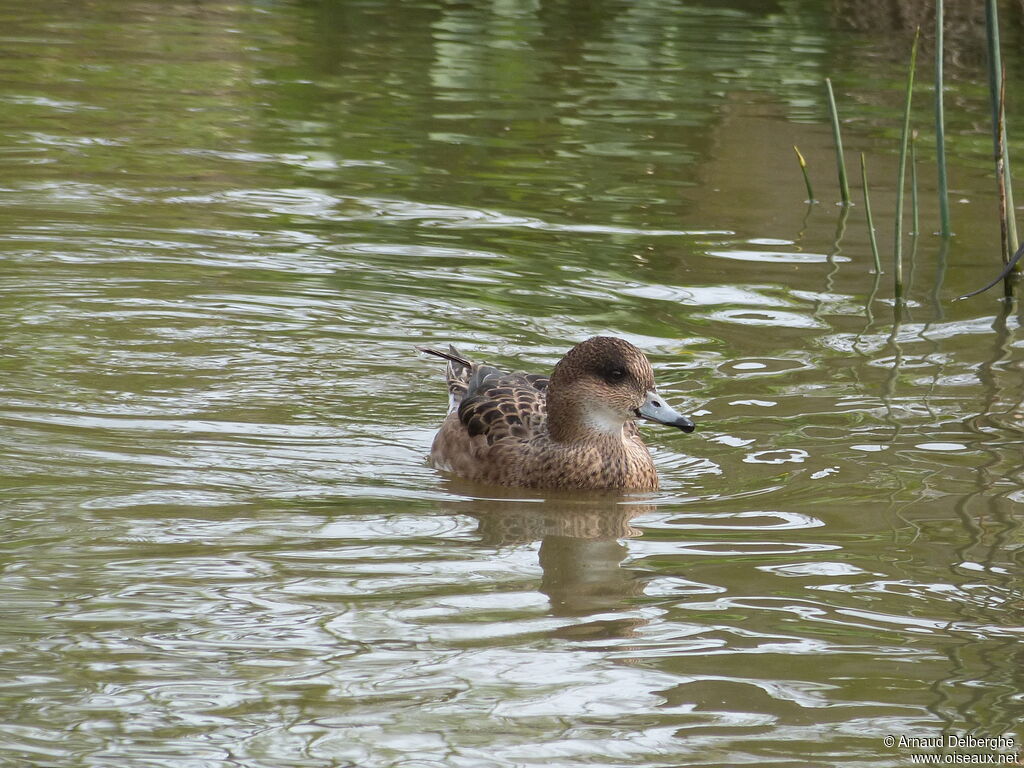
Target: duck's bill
[(656, 409)]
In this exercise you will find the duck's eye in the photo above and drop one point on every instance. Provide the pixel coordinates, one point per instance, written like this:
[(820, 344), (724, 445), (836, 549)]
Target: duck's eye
[(616, 375)]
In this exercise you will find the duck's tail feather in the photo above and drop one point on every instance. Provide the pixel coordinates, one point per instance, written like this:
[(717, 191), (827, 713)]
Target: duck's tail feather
[(452, 355), (457, 373)]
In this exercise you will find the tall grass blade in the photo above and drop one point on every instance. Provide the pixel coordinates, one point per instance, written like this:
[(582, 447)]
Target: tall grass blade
[(902, 173), (807, 179), (940, 125), (867, 210), (844, 186)]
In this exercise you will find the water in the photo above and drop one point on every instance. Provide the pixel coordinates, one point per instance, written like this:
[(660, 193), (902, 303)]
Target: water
[(224, 226)]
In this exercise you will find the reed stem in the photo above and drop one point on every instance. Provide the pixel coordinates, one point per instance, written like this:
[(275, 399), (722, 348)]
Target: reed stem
[(902, 174), (940, 124), (803, 170), (1011, 251), (844, 186), (1005, 213), (913, 186), (996, 95), (994, 59), (867, 211)]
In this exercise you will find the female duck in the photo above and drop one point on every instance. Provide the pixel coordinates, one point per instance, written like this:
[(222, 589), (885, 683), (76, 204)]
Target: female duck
[(574, 430)]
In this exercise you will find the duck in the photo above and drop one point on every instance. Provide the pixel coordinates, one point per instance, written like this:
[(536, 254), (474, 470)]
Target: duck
[(574, 429)]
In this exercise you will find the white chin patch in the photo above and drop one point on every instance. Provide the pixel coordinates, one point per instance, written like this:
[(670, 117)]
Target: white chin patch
[(603, 420)]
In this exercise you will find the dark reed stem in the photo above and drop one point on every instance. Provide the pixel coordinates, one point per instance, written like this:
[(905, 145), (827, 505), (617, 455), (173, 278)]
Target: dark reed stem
[(994, 64), (995, 86), (1006, 216), (1004, 275)]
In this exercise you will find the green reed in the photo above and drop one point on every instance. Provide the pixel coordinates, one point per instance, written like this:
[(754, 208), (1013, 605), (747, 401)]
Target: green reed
[(997, 95), (902, 173), (844, 186), (803, 170), (1007, 219), (1011, 251), (940, 125), (867, 211), (914, 208)]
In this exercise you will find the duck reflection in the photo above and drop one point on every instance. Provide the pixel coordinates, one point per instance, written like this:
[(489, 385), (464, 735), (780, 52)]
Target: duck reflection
[(581, 550)]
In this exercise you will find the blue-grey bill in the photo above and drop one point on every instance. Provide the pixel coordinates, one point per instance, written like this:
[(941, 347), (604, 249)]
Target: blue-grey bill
[(656, 409)]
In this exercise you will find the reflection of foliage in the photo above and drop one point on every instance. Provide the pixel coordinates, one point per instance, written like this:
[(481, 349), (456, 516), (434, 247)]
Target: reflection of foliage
[(964, 24)]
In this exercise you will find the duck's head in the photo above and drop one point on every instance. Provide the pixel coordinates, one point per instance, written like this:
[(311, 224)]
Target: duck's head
[(602, 383)]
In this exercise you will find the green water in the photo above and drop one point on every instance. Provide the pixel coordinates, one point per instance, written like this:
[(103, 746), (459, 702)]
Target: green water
[(223, 227)]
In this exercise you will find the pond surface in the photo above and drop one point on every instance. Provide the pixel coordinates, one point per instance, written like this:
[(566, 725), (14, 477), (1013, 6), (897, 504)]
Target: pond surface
[(224, 226)]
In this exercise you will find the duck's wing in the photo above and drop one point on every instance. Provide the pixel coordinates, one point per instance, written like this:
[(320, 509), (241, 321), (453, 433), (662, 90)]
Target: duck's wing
[(492, 402), (501, 405)]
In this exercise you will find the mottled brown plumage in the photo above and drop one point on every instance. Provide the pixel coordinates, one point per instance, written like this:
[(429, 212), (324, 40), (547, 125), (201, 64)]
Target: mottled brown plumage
[(574, 430)]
